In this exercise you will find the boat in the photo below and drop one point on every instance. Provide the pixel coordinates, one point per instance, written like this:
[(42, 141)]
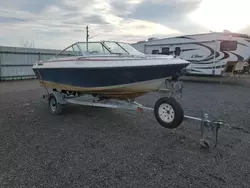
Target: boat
[(111, 75), (108, 69)]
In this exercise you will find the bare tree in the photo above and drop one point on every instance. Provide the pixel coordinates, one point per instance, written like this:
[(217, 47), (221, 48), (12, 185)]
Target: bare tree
[(27, 44)]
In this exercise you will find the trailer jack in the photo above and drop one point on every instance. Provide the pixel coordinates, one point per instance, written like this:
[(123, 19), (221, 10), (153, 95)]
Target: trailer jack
[(207, 126)]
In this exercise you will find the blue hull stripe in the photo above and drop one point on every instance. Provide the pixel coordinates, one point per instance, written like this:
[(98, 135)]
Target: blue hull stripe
[(101, 77)]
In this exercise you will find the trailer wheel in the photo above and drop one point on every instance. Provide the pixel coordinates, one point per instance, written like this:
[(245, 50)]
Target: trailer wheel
[(168, 112), (54, 106)]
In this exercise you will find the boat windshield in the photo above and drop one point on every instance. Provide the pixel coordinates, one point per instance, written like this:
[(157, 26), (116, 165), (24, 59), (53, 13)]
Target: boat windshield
[(93, 48), (115, 47), (107, 48), (129, 48)]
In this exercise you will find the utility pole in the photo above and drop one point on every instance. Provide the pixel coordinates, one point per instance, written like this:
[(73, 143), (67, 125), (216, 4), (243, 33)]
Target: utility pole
[(87, 38)]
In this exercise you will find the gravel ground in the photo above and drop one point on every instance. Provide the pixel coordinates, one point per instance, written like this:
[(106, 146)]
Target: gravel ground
[(96, 147)]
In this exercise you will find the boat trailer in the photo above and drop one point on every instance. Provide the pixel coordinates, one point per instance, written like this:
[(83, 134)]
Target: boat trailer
[(167, 110)]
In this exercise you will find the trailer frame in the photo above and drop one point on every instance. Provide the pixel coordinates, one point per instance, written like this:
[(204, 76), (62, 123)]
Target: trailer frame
[(58, 99)]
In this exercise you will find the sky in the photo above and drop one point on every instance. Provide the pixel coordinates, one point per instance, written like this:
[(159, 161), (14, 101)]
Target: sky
[(55, 24)]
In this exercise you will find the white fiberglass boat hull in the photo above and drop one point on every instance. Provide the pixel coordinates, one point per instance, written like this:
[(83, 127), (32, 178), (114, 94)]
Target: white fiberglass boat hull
[(123, 76)]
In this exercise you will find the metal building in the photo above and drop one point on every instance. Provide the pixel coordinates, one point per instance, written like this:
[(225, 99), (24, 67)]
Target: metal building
[(17, 62)]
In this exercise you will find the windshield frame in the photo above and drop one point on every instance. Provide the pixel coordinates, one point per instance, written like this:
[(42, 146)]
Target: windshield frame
[(107, 47), (104, 46), (135, 50), (104, 43), (128, 52)]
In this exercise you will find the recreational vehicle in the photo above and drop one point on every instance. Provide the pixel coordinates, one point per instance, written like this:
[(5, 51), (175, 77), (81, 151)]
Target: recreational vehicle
[(209, 53)]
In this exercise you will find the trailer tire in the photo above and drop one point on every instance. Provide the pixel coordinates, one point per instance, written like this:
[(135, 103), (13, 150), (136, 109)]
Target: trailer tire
[(54, 106), (168, 112)]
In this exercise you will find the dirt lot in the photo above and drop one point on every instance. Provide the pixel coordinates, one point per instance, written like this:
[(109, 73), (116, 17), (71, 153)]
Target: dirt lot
[(96, 147)]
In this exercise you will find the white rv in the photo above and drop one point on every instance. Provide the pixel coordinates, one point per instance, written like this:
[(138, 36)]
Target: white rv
[(209, 53)]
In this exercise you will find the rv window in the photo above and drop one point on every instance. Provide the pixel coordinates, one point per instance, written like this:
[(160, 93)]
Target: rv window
[(165, 51), (177, 51), (228, 45), (155, 52)]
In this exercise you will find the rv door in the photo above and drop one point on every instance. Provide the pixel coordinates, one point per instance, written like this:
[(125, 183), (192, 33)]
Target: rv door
[(176, 50), (214, 59)]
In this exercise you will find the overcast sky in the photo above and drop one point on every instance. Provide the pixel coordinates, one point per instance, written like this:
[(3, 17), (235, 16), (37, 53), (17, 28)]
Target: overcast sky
[(58, 23)]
